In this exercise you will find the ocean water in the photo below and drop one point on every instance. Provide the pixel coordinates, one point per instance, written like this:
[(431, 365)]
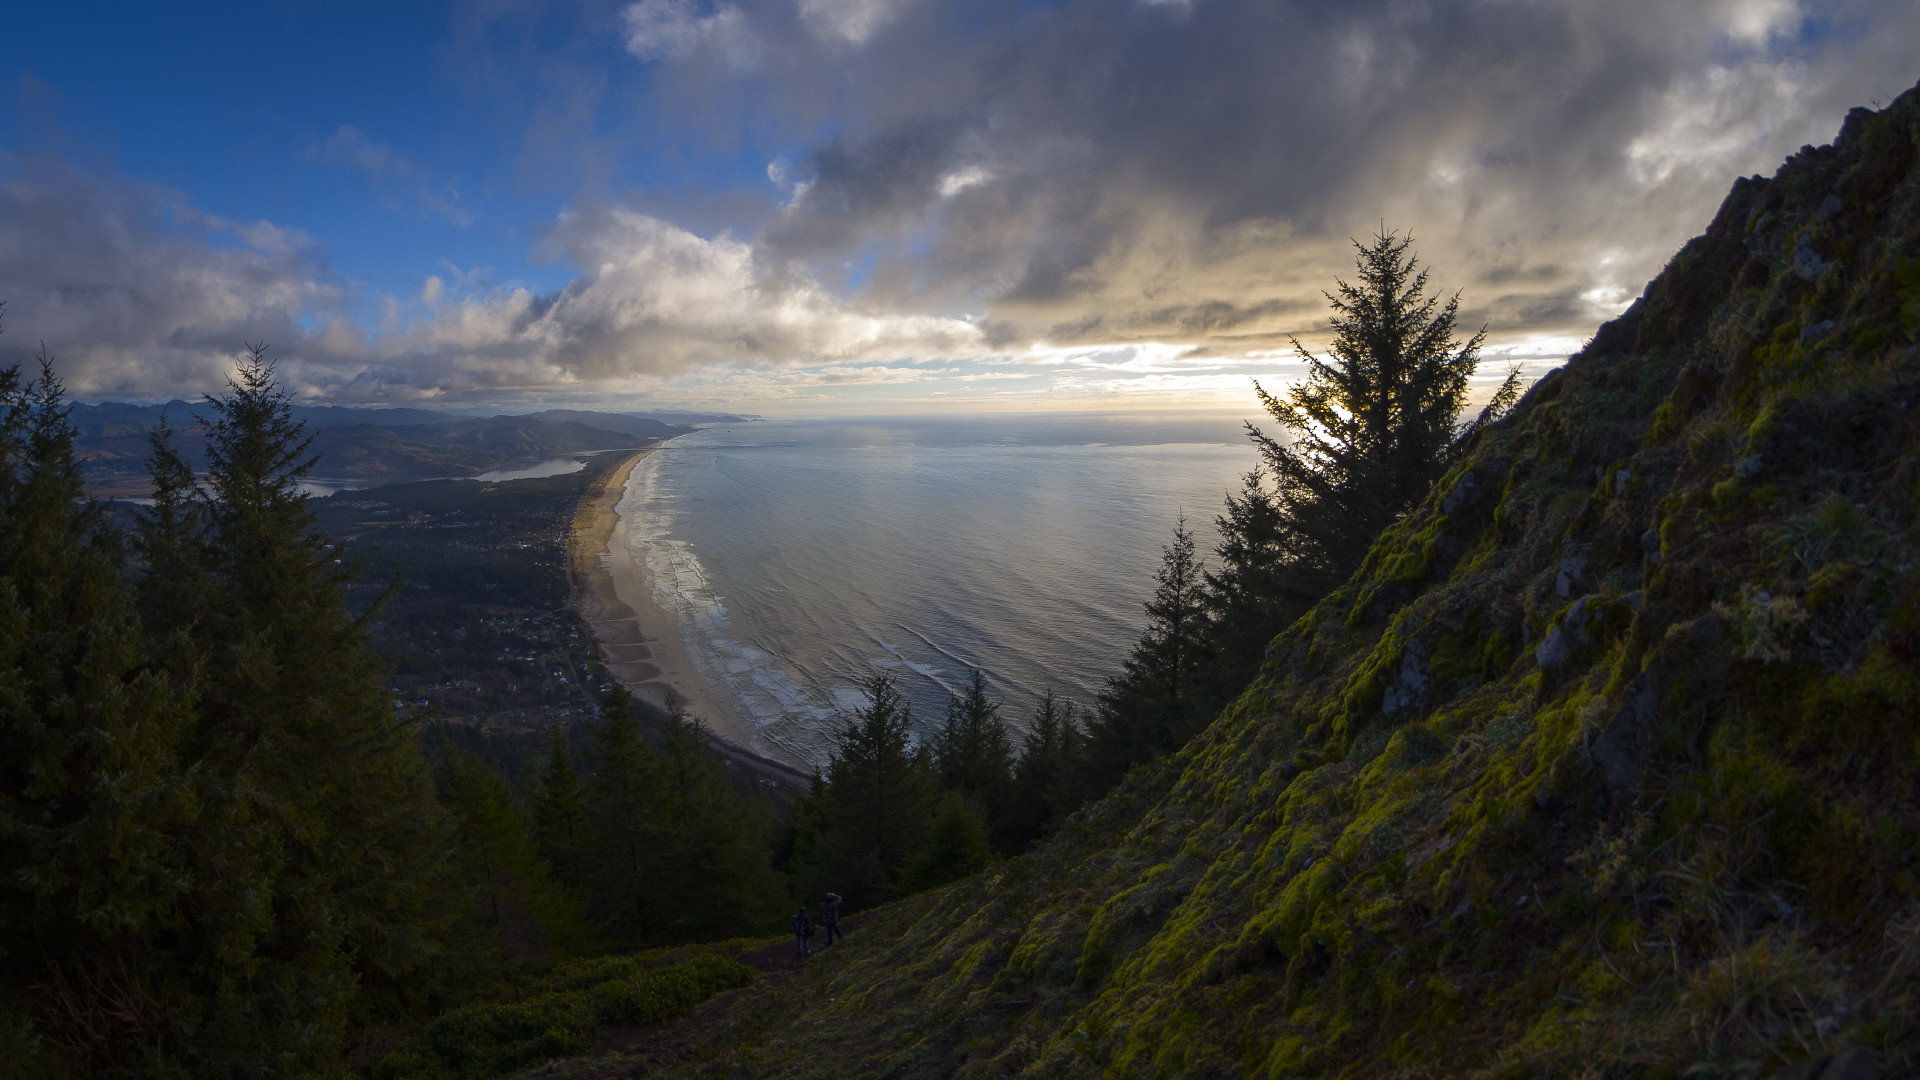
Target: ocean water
[(800, 556)]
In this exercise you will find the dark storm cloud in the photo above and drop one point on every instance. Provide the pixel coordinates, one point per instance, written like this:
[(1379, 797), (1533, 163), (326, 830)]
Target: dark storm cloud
[(1093, 170)]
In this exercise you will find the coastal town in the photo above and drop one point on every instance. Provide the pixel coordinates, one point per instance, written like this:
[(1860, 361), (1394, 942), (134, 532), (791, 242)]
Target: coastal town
[(476, 617)]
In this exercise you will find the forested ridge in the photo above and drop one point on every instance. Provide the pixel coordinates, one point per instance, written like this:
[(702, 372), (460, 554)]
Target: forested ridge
[(1574, 739)]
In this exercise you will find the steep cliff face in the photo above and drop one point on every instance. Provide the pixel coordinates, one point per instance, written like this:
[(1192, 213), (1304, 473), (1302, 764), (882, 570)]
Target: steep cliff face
[(1604, 764)]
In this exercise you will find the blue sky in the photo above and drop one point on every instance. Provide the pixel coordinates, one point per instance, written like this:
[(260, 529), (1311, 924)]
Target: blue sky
[(797, 206)]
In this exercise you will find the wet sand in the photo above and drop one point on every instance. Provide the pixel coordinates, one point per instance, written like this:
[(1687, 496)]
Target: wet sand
[(639, 643)]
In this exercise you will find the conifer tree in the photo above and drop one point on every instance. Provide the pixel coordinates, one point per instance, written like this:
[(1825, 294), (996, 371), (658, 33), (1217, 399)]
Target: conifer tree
[(630, 900), (718, 866), (874, 802), (1372, 425), (315, 801), (956, 844), (1046, 779), (561, 823), (93, 806), (517, 906), (1247, 599), (974, 753), (1155, 703)]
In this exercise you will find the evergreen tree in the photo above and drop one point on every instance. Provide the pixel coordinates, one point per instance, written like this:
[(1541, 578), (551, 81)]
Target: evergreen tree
[(315, 803), (93, 805), (629, 899), (1372, 425), (1046, 779), (1247, 600), (873, 805), (974, 754), (718, 866), (561, 822), (518, 908), (956, 844), (1156, 703)]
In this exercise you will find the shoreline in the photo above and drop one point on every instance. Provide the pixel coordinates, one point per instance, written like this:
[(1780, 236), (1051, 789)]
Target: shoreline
[(638, 642)]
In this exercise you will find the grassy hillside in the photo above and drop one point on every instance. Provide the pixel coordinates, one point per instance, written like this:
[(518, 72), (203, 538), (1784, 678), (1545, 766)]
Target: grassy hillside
[(1604, 764)]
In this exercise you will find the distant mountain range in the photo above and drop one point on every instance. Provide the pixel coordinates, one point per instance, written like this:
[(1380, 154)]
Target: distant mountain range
[(380, 445)]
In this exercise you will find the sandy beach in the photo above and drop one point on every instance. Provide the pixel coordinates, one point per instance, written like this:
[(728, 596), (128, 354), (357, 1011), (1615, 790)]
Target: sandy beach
[(639, 643)]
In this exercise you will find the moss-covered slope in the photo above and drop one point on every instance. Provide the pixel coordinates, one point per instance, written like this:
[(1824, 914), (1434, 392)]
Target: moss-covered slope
[(1604, 764)]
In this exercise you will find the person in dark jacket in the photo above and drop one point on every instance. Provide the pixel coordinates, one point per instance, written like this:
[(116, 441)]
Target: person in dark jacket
[(802, 933), (830, 917)]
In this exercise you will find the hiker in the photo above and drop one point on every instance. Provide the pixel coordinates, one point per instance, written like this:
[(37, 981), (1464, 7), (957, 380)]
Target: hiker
[(830, 917), (802, 933)]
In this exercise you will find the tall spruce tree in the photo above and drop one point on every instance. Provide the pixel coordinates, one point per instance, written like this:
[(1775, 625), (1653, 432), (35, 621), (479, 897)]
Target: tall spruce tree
[(956, 844), (974, 754), (95, 813), (316, 802), (523, 917), (717, 861), (873, 804), (1045, 780), (629, 899), (1246, 596), (1365, 435), (1369, 429), (562, 827), (1156, 702)]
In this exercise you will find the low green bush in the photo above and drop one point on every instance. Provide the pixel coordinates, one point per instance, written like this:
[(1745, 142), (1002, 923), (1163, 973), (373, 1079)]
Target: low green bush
[(563, 1015)]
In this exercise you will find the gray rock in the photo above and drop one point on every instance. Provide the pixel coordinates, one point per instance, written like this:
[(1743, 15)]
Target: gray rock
[(1570, 635), (1807, 263), (1615, 751), (1829, 206), (1749, 467), (1462, 497), (1650, 543), (1410, 684), (1572, 569)]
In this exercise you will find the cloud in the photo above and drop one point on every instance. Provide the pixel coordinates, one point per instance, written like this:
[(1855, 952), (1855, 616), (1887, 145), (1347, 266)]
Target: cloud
[(653, 301), (136, 292), (849, 21), (659, 29), (392, 171), (1082, 171), (141, 295), (1160, 189)]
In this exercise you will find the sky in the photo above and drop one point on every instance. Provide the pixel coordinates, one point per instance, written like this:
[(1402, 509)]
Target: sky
[(798, 207)]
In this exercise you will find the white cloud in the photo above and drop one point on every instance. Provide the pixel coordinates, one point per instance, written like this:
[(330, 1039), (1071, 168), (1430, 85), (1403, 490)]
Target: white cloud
[(1754, 21), (663, 29), (850, 21), (960, 180)]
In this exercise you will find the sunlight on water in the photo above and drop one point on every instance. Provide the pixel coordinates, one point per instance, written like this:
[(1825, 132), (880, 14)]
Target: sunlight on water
[(797, 557)]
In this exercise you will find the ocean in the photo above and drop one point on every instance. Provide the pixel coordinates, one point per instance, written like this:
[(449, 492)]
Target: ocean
[(798, 557)]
